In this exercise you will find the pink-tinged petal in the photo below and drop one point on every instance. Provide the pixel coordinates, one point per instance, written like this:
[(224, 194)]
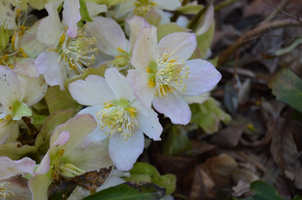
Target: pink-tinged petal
[(78, 127), (136, 25), (19, 186), (202, 78), (89, 156), (109, 35), (11, 168), (50, 28), (126, 7), (141, 89), (54, 72), (144, 49), (197, 99), (174, 107), (6, 128), (206, 22), (71, 16), (125, 153), (44, 166), (166, 4), (33, 89), (148, 121), (26, 66), (180, 44), (94, 91), (10, 86), (97, 134), (39, 184), (119, 85)]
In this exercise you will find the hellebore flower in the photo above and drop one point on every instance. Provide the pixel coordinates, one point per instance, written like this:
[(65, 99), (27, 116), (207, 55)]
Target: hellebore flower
[(131, 8), (19, 92), (111, 39), (121, 116), (70, 48), (69, 155), (163, 75), (12, 186)]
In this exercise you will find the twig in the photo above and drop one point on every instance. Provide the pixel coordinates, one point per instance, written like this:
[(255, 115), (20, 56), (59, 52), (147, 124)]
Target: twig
[(273, 14), (262, 28), (224, 4)]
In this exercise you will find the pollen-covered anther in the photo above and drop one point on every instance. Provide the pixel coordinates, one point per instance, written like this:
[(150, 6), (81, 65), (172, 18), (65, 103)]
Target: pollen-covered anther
[(116, 118), (5, 190)]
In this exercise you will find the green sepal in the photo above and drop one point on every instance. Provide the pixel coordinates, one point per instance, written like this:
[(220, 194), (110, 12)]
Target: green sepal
[(23, 110), (84, 12)]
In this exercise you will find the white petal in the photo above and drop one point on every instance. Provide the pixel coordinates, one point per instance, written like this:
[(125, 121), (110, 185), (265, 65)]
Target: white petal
[(89, 156), (71, 16), (126, 7), (176, 108), (50, 28), (125, 153), (54, 72), (202, 78), (136, 25), (94, 9), (119, 85), (39, 186), (141, 89), (166, 4), (148, 121), (94, 91), (109, 35), (180, 44), (26, 66), (10, 86), (144, 49), (197, 99), (11, 168), (6, 128)]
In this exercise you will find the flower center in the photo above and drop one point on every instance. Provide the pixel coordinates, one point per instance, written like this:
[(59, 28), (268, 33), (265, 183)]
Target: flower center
[(122, 61), (167, 75), (76, 52), (118, 117), (5, 191), (142, 7), (65, 170), (5, 118)]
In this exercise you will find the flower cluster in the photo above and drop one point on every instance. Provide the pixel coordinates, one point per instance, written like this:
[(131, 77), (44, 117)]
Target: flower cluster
[(104, 65)]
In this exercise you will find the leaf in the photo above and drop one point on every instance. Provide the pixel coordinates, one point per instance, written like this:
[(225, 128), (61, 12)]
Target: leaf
[(92, 180), (176, 142), (204, 41), (166, 29), (287, 87), (145, 172), (84, 12), (130, 191), (190, 9), (263, 191)]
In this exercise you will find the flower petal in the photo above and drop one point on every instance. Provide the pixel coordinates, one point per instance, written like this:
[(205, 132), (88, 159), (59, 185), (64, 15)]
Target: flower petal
[(19, 186), (174, 107), (11, 168), (10, 86), (126, 7), (136, 24), (166, 4), (94, 9), (71, 16), (54, 72), (180, 44), (6, 128), (197, 99), (26, 66), (125, 153), (94, 91), (39, 184), (144, 49), (109, 35), (148, 121), (50, 27), (119, 85), (202, 78), (89, 156), (139, 82)]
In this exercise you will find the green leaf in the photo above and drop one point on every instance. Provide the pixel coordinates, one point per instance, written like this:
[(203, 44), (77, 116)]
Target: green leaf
[(176, 142), (130, 191), (38, 119), (204, 41), (145, 172), (84, 12), (287, 87), (208, 115), (166, 29), (263, 191), (189, 9)]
